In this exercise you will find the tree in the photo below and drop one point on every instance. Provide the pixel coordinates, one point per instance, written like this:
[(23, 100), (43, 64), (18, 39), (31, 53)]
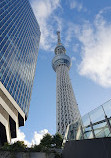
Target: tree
[(57, 140), (46, 141), (5, 147), (37, 148), (18, 146)]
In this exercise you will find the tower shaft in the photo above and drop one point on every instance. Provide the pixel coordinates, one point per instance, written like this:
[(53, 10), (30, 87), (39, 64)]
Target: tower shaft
[(66, 107)]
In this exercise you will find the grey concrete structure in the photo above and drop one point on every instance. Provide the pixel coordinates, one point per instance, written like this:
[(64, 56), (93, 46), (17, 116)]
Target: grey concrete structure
[(11, 116), (88, 148), (66, 107), (5, 154)]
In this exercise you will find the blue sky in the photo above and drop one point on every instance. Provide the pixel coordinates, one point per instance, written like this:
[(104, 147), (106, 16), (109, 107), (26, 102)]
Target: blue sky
[(86, 34)]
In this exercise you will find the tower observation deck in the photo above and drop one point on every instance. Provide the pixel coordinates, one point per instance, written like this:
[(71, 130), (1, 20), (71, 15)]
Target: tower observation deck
[(66, 107)]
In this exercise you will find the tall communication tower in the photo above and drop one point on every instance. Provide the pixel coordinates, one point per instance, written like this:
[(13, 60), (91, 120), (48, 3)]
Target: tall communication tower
[(66, 107)]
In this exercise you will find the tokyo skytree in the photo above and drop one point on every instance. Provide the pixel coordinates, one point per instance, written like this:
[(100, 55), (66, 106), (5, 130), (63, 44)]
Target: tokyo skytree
[(66, 107)]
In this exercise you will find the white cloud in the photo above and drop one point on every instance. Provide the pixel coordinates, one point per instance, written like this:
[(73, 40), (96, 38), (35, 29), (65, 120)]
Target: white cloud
[(73, 59), (76, 5), (35, 140), (72, 29), (59, 21), (44, 12), (44, 8), (96, 49), (75, 47), (38, 136)]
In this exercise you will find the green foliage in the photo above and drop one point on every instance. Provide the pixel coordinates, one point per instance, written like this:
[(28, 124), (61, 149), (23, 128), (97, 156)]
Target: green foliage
[(46, 141), (49, 141), (57, 140), (48, 144), (58, 155), (17, 146), (5, 147), (37, 148)]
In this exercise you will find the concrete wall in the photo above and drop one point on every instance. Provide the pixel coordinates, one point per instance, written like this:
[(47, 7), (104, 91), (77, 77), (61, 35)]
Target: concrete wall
[(11, 116), (5, 154), (89, 148)]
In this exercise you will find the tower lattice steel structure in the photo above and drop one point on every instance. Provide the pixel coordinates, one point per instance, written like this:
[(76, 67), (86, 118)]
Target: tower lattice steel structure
[(66, 107)]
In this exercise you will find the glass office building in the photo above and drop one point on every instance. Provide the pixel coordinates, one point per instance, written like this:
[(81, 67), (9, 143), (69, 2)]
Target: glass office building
[(19, 44), (95, 124)]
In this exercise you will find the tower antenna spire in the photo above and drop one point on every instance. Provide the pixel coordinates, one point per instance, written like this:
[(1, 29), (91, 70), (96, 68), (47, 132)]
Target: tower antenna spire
[(59, 38)]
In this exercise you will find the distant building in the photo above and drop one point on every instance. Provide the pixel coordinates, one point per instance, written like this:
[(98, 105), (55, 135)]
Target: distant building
[(19, 44), (67, 110)]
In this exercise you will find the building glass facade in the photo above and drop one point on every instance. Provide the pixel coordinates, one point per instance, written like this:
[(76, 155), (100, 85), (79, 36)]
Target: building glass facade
[(95, 124), (19, 43)]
